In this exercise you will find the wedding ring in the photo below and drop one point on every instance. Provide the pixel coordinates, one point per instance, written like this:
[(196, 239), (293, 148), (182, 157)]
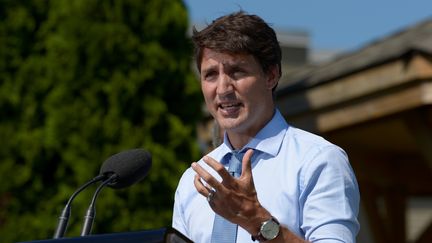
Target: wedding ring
[(210, 195)]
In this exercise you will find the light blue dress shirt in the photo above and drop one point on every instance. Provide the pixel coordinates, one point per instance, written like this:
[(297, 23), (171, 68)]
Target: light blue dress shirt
[(303, 180)]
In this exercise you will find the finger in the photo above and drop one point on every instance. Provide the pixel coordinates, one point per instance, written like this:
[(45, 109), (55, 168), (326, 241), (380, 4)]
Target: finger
[(247, 163), (219, 168), (207, 177), (200, 187)]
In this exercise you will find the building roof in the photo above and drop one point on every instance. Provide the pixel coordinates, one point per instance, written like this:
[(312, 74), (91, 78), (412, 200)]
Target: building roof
[(415, 38)]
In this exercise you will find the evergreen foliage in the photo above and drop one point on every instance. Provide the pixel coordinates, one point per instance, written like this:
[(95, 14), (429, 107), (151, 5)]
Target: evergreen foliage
[(79, 81)]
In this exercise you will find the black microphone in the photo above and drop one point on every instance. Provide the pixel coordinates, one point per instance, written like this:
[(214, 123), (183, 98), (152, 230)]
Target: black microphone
[(121, 170), (130, 166), (118, 171)]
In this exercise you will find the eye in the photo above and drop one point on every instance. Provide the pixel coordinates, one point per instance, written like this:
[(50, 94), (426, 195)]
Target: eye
[(238, 74), (210, 75)]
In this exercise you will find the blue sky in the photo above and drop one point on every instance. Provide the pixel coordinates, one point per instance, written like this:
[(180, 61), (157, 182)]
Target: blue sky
[(331, 24)]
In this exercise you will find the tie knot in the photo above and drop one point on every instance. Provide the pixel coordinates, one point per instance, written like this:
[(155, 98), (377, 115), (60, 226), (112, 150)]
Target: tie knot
[(235, 164)]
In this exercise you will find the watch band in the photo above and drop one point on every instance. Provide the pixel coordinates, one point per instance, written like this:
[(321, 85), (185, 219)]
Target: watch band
[(258, 237)]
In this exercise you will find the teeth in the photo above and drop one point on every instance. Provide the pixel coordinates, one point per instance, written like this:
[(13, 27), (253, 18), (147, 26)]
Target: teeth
[(228, 105)]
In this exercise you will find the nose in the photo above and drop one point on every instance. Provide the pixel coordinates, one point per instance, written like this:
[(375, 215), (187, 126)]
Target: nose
[(225, 85)]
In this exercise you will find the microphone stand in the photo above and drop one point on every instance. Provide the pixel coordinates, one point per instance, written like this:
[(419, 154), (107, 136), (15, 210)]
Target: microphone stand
[(91, 211), (64, 217)]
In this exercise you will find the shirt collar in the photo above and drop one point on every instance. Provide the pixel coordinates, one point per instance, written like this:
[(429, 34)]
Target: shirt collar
[(268, 139)]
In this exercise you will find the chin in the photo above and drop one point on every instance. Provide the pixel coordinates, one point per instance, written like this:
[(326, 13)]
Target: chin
[(230, 124)]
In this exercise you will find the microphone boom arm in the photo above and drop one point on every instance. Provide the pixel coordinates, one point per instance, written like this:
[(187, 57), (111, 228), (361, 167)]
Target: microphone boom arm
[(91, 211), (64, 217)]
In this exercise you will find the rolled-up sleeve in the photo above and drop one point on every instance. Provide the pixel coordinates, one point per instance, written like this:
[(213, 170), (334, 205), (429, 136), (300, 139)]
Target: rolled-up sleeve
[(329, 198)]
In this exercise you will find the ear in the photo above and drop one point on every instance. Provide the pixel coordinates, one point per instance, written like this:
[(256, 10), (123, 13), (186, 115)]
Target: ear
[(272, 77)]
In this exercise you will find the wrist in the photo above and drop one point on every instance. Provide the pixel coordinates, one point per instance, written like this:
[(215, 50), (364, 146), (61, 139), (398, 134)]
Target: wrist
[(269, 230), (253, 222)]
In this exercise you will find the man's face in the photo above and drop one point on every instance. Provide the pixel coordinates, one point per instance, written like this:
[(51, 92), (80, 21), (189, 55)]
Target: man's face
[(237, 92)]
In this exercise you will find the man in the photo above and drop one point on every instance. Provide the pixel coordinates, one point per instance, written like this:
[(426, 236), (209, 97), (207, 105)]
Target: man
[(294, 186)]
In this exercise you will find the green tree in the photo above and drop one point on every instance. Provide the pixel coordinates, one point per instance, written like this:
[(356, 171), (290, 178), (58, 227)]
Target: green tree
[(79, 81)]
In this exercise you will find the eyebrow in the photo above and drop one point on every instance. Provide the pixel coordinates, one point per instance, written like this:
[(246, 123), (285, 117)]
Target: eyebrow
[(228, 65), (234, 64)]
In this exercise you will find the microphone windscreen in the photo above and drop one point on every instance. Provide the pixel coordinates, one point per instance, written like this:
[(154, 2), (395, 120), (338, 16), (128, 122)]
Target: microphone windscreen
[(130, 166)]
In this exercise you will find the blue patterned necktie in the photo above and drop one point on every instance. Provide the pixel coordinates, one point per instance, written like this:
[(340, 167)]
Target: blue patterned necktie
[(223, 230)]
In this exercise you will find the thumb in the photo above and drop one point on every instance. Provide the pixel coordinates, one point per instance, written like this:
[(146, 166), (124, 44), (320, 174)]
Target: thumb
[(246, 163)]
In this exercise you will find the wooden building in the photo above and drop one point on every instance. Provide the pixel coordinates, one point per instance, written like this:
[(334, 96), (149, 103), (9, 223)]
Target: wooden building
[(375, 103)]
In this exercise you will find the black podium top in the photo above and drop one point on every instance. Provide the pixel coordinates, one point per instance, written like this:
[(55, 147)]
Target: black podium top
[(164, 235)]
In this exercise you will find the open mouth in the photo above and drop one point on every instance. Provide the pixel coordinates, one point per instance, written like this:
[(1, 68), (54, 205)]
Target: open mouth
[(230, 105), (230, 108)]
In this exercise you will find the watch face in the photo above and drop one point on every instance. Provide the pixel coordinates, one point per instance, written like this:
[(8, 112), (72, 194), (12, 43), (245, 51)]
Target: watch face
[(270, 229)]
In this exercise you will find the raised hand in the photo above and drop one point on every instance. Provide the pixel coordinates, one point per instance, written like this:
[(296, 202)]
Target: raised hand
[(235, 199)]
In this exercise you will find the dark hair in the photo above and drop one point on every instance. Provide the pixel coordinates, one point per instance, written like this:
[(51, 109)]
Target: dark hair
[(240, 33)]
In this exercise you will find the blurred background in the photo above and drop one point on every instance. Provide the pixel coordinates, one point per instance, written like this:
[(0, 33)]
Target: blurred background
[(82, 80)]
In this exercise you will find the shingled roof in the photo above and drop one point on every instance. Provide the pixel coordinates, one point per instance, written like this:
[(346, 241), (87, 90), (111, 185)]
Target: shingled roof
[(415, 38)]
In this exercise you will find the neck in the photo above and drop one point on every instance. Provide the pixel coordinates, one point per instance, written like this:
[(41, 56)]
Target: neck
[(238, 139)]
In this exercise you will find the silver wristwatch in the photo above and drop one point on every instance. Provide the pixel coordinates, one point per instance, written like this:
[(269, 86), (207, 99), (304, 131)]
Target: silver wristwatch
[(268, 230)]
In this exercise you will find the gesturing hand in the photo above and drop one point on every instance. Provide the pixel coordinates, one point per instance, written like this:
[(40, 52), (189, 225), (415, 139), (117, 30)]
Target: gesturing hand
[(235, 199)]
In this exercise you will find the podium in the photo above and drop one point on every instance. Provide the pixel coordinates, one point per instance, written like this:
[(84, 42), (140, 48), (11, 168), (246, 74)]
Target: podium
[(164, 235)]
